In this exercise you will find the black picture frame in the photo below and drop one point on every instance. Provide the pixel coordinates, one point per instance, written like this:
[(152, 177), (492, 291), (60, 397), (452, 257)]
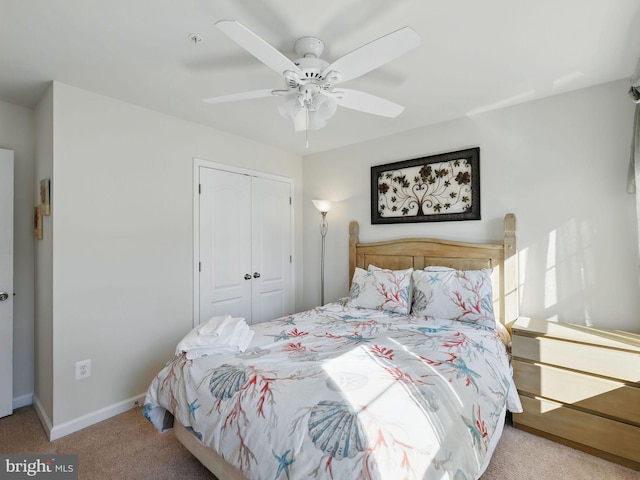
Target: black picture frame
[(436, 188)]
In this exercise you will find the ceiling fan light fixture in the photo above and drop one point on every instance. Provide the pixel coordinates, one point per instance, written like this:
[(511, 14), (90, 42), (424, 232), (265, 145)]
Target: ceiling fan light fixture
[(301, 120), (325, 107), (316, 122), (290, 109), (309, 114)]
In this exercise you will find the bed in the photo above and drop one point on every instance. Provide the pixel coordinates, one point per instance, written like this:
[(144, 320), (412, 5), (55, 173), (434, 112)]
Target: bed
[(407, 377)]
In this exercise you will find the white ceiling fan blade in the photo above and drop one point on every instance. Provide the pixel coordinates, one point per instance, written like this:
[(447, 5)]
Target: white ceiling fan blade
[(374, 54), (233, 97), (257, 47), (365, 102)]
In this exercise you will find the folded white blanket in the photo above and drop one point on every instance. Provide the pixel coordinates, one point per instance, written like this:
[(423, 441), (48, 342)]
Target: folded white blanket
[(215, 326), (222, 335)]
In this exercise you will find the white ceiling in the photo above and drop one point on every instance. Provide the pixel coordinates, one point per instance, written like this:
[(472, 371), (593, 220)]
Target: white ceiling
[(475, 55)]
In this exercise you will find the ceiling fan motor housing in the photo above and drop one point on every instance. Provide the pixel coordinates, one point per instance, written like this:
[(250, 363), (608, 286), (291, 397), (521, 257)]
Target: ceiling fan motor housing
[(312, 67)]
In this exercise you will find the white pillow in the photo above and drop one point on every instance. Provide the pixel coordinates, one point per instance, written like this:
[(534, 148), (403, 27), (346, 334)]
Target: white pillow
[(464, 295), (388, 290), (372, 267)]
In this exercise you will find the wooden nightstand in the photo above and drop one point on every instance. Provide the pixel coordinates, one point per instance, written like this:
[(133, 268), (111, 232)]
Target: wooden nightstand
[(579, 386)]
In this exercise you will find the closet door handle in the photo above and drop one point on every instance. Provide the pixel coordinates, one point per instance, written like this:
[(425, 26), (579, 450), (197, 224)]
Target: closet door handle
[(3, 296), (247, 276), (256, 275)]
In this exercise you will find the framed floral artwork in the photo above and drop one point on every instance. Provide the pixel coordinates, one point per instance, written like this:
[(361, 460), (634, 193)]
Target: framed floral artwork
[(443, 187)]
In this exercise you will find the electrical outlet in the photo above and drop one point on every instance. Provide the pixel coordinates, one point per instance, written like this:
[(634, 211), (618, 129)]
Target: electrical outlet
[(83, 369)]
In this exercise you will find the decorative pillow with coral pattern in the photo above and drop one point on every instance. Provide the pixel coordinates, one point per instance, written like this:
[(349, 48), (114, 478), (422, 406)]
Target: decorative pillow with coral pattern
[(388, 290), (447, 293)]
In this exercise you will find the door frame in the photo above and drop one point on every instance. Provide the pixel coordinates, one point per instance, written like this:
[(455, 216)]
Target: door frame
[(6, 363), (200, 163)]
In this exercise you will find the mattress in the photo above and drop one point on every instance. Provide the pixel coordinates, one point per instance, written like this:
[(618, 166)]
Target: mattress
[(344, 393)]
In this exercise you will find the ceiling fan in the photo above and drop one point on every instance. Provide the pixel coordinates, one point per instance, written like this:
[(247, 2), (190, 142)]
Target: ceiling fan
[(311, 80)]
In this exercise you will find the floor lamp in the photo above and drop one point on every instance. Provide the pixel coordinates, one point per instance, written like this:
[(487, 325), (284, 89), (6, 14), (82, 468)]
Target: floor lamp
[(323, 207)]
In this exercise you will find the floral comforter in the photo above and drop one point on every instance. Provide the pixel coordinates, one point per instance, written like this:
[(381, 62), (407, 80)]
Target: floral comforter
[(345, 393)]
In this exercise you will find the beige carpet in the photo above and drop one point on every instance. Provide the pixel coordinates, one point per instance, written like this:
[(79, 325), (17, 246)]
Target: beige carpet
[(128, 447), (121, 448)]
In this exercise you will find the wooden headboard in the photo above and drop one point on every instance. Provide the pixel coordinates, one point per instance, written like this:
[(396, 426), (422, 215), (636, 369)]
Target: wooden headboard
[(423, 252)]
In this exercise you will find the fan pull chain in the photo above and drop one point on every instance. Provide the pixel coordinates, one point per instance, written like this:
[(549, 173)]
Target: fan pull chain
[(306, 130)]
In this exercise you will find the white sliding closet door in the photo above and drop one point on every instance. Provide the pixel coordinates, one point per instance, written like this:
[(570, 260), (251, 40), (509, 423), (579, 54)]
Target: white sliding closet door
[(245, 247)]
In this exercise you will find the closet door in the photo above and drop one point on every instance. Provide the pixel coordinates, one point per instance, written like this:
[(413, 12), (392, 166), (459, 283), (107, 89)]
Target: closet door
[(245, 246), (271, 249), (225, 244)]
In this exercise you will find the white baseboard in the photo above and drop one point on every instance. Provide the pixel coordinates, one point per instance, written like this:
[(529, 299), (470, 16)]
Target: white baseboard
[(22, 400), (42, 415), (59, 431)]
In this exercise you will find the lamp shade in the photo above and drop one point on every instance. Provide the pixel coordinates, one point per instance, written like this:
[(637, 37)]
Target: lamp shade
[(311, 113), (322, 205)]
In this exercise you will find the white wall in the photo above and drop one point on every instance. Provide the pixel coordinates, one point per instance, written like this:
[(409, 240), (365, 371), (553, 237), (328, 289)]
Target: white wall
[(121, 223), (44, 332), (559, 163), (17, 134)]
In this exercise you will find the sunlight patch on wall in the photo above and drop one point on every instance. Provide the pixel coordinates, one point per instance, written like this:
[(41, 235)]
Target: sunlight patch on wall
[(550, 275), (522, 273), (558, 273)]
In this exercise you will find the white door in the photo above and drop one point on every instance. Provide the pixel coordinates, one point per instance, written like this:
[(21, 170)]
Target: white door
[(6, 282), (225, 244), (271, 251), (245, 247)]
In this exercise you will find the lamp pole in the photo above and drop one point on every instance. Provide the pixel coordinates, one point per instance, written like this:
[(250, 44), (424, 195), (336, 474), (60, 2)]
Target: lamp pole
[(323, 206), (324, 226)]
